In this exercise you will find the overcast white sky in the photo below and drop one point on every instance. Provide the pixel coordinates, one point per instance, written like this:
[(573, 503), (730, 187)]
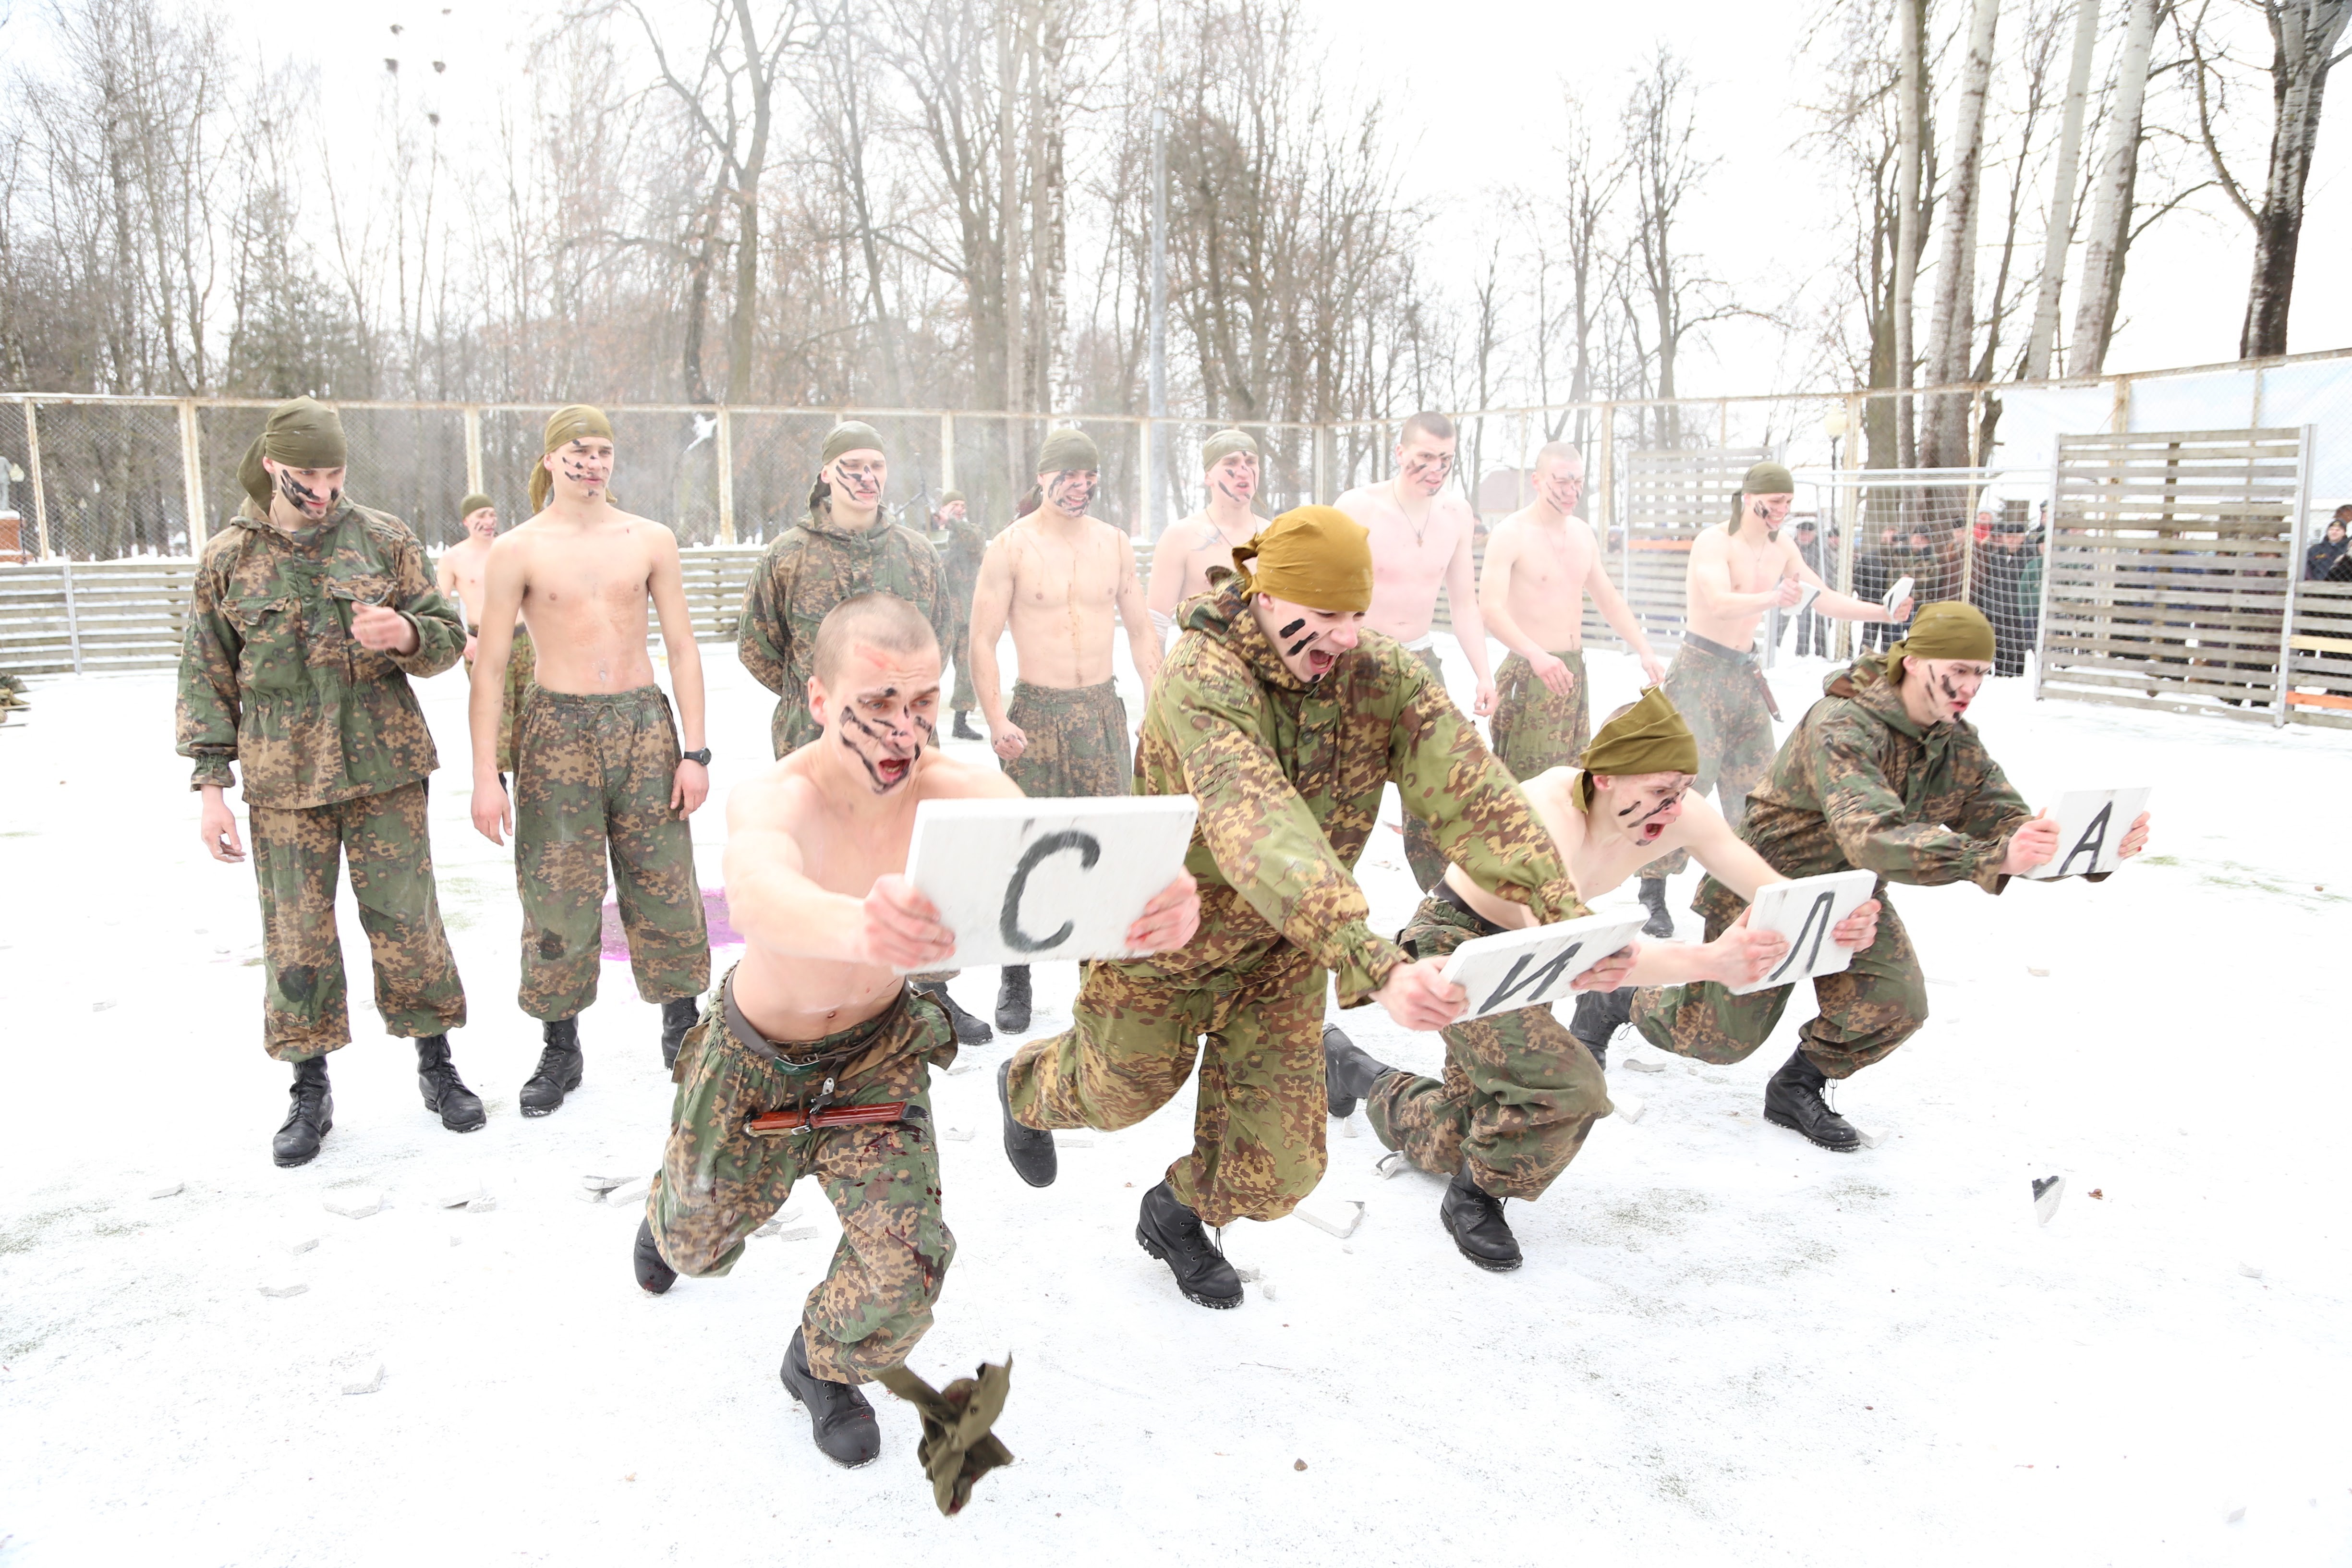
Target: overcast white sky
[(1473, 90)]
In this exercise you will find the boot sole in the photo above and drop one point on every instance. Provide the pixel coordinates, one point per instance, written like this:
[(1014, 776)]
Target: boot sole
[(1491, 1264), (480, 1120), (1779, 1120), (1215, 1303), (1005, 1026), (286, 1164)]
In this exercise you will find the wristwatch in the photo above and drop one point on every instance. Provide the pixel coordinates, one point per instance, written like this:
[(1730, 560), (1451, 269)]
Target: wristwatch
[(702, 756)]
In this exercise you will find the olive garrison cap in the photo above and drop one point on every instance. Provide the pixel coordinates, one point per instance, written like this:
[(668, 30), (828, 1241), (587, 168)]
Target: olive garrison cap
[(1225, 444), (1068, 451), (1945, 630), (1649, 737)]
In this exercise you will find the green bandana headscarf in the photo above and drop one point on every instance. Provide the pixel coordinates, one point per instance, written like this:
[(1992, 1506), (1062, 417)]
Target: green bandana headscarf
[(1769, 479), (1650, 737), (1068, 451), (472, 504), (564, 427), (301, 434), (949, 499), (1223, 444), (1318, 556), (1945, 630), (849, 436)]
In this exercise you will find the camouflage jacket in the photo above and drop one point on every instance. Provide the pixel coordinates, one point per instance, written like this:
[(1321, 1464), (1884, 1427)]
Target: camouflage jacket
[(806, 571), (960, 564), (270, 676), (1860, 786), (1288, 777)]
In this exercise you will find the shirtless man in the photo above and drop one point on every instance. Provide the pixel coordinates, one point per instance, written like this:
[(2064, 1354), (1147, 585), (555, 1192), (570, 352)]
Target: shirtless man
[(460, 578), (1181, 561), (1541, 562), (816, 856), (1064, 581), (1420, 542), (1737, 573), (1519, 1093), (598, 767)]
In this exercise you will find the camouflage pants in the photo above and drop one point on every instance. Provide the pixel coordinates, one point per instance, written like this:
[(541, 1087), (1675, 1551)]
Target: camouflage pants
[(960, 650), (1077, 741), (1257, 1121), (1420, 850), (1534, 727), (720, 1182), (1520, 1092), (1721, 696), (522, 663), (1874, 1005), (295, 852), (592, 779)]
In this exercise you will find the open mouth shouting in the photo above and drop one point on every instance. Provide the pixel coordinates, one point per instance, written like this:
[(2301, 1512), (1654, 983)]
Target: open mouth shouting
[(1652, 831), (891, 772)]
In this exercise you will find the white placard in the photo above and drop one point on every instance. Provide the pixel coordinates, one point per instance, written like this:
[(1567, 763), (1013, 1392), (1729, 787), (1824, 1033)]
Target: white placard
[(2091, 828), (1896, 594), (1516, 969), (1039, 882), (1804, 910)]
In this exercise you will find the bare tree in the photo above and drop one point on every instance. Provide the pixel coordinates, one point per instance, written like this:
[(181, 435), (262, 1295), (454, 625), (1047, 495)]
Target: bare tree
[(1665, 171), (2110, 231), (1951, 327), (2058, 234)]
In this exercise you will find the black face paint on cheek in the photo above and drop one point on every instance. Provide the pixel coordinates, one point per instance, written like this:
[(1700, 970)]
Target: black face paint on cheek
[(577, 473), (1292, 629), (299, 495), (849, 722)]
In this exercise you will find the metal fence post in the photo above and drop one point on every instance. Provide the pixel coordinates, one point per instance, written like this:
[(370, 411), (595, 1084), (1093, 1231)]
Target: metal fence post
[(472, 449), (1141, 528), (40, 492), (2293, 564), (73, 619), (192, 476), (725, 456), (947, 453)]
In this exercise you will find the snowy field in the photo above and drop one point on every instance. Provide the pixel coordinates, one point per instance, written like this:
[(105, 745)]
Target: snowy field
[(1726, 1346)]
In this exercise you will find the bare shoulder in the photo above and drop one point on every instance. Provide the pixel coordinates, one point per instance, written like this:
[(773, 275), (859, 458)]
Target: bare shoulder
[(948, 778), (1579, 531), (1456, 511), (771, 798), (1359, 503), (1710, 540)]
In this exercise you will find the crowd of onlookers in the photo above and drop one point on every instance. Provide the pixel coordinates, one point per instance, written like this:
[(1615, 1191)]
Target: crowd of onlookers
[(2327, 560)]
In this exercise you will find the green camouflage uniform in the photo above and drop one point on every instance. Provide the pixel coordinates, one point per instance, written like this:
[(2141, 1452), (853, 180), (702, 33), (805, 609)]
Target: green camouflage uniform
[(959, 573), (1722, 696), (335, 753), (522, 664), (1421, 854), (1860, 786), (720, 1182), (1078, 741), (594, 773), (1289, 778), (1519, 1094), (1534, 727), (806, 571)]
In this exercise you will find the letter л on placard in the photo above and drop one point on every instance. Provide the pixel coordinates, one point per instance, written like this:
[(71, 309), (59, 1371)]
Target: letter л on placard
[(1032, 881), (1805, 912)]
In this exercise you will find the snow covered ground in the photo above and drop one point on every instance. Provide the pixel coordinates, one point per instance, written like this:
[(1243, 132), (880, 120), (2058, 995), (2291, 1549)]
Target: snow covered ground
[(1727, 1345)]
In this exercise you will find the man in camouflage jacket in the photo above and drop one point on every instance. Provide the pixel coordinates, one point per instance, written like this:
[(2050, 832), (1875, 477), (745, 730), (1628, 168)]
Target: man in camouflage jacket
[(1883, 774), (846, 547), (1286, 749), (310, 615), (960, 575)]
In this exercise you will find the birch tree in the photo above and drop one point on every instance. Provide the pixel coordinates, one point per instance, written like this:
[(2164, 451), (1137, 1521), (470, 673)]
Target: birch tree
[(1951, 330), (2110, 232)]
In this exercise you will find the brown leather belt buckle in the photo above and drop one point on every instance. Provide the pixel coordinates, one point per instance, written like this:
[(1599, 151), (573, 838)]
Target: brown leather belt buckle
[(784, 1123)]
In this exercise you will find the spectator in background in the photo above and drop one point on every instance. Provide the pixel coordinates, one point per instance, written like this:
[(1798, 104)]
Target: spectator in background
[(2007, 586), (1871, 581), (2321, 557), (1813, 630)]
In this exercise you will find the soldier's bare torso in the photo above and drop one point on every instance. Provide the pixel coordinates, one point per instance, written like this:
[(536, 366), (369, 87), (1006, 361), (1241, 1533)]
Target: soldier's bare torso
[(1754, 563), (585, 590), (1549, 563), (460, 573), (1410, 555), (1197, 546), (1066, 578), (1598, 863)]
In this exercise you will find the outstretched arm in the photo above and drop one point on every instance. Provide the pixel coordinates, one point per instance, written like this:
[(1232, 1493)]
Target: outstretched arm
[(1710, 580), (1836, 605), (774, 904)]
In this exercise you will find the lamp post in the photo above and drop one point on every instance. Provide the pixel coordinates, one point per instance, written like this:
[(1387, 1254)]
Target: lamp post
[(1838, 538)]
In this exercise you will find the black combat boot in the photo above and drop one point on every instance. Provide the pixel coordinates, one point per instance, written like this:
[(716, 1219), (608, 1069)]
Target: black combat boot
[(445, 1094), (964, 730), (311, 1118), (1029, 1149), (1474, 1218), (840, 1421), (969, 1030), (1660, 924), (558, 1073), (1013, 999), (1349, 1072), (1598, 1018), (654, 1271), (1792, 1099), (678, 1014), (1174, 1235)]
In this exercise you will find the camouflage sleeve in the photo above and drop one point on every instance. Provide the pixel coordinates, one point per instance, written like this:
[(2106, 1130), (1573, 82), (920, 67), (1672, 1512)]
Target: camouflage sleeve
[(1871, 825), (1482, 821), (440, 632), (763, 634), (1266, 841), (1995, 809), (209, 703), (938, 600)]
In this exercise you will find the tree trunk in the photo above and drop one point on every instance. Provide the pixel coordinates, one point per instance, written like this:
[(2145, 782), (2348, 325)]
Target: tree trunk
[(1910, 126), (2041, 347), (1952, 328), (2303, 35), (1008, 209), (2111, 199), (1052, 221)]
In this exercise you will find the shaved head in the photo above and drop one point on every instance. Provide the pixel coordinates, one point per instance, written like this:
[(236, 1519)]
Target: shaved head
[(884, 622), (1436, 426)]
